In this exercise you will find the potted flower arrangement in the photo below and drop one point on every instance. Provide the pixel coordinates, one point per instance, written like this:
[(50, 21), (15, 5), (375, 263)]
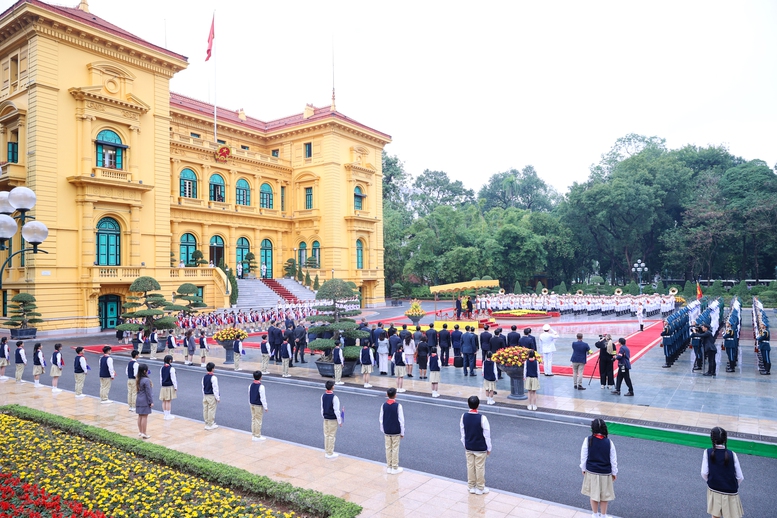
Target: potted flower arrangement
[(226, 337), (22, 311), (415, 312), (511, 361)]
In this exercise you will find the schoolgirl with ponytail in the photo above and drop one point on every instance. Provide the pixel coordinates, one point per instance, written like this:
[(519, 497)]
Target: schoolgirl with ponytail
[(720, 468)]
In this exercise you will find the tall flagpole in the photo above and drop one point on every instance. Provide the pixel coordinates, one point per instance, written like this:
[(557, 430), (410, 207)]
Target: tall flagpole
[(215, 78)]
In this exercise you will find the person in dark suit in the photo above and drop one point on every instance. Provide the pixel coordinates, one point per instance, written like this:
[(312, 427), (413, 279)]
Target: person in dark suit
[(289, 337), (458, 307), (431, 337), (403, 333), (276, 339), (485, 342), (497, 342), (708, 349), (456, 340), (470, 307), (527, 340), (376, 333), (513, 337), (300, 342), (624, 369), (469, 348), (444, 341), (394, 343)]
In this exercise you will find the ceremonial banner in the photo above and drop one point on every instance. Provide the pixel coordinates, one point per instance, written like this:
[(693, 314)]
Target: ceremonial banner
[(211, 36)]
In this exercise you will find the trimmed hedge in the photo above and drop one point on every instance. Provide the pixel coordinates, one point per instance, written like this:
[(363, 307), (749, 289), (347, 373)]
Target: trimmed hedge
[(304, 501)]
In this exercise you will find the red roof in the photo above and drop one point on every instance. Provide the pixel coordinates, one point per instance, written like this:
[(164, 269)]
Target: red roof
[(74, 13), (178, 101)]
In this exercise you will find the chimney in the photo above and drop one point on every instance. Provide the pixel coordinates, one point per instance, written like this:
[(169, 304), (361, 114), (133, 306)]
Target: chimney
[(84, 6), (309, 111), (241, 114)]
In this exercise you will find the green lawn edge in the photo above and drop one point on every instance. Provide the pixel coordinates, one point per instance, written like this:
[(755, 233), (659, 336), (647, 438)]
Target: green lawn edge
[(305, 501), (689, 439)]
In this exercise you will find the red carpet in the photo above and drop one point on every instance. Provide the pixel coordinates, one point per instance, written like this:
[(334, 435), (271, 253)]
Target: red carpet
[(638, 343)]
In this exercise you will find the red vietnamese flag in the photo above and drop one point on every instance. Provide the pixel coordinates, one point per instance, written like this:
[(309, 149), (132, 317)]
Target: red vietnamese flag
[(698, 291), (211, 36)]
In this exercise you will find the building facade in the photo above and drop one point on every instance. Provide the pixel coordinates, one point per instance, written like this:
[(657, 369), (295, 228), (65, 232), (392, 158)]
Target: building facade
[(131, 179)]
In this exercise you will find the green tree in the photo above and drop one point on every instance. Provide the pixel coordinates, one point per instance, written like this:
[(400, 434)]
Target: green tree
[(522, 189), (300, 277), (316, 284), (307, 279), (147, 306), (539, 287), (334, 317), (562, 288), (197, 259), (435, 188), (517, 287), (311, 262), (23, 311), (290, 268), (188, 293), (250, 261)]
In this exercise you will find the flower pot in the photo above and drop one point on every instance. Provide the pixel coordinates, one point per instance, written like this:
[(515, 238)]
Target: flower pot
[(230, 352), (27, 333), (327, 369), (516, 381), (415, 320)]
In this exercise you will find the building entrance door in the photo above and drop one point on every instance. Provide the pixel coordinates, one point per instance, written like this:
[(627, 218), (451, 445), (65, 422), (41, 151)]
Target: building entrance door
[(109, 311)]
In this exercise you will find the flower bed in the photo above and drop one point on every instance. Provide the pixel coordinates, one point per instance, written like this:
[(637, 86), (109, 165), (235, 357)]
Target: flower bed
[(514, 356), (123, 477), (22, 499), (519, 313)]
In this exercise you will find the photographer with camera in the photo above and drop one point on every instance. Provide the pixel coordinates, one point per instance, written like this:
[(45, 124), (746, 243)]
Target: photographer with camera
[(606, 359), (698, 363), (707, 346)]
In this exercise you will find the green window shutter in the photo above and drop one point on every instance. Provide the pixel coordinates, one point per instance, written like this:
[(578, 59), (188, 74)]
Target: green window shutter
[(119, 153), (99, 155)]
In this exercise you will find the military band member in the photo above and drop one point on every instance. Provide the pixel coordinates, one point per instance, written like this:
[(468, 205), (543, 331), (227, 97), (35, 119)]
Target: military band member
[(766, 349)]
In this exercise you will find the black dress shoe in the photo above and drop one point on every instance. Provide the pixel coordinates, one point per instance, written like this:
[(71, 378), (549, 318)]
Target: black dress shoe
[(580, 387), (629, 393), (616, 392), (707, 374), (473, 374), (409, 375)]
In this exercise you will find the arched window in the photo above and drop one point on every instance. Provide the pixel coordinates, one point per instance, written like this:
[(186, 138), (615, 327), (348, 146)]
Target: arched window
[(108, 242), (266, 259), (317, 253), (216, 250), (216, 188), (242, 192), (242, 250), (187, 247), (359, 254), (302, 254), (358, 198), (188, 184), (109, 150), (265, 196)]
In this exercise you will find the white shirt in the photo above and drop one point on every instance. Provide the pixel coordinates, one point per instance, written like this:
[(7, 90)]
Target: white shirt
[(262, 396), (110, 367), (215, 382), (486, 429), (84, 366), (584, 457), (548, 341), (134, 369), (23, 355), (400, 414), (172, 377), (705, 468)]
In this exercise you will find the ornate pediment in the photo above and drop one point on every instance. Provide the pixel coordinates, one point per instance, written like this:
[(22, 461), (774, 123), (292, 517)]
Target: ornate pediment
[(94, 98)]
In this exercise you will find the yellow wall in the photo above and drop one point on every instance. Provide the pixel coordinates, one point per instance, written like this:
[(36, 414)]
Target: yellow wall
[(64, 81)]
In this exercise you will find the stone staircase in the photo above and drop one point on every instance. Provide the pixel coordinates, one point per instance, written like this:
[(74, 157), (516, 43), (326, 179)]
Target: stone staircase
[(253, 293), (280, 290), (298, 290)]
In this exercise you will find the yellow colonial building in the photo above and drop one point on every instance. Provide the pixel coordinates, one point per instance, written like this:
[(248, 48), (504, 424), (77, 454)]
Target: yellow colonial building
[(131, 180)]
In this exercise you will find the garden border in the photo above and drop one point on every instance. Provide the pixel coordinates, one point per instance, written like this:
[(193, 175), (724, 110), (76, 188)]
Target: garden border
[(302, 500)]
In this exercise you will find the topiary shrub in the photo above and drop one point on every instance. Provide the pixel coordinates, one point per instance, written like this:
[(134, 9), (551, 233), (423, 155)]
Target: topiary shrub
[(22, 310)]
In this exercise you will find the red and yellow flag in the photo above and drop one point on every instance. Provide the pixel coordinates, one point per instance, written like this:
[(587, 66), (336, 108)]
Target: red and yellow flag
[(211, 36), (699, 294)]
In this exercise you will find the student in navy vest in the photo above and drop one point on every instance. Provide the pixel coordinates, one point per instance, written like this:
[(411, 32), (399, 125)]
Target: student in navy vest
[(204, 347), (489, 378), (258, 401), (330, 411), (153, 343), (169, 390), (20, 358), (264, 350), (38, 364), (398, 361), (286, 354), (106, 375), (720, 468), (599, 464), (392, 424), (80, 368), (132, 376), (366, 359), (434, 372), (57, 365), (237, 348), (338, 359), (210, 397), (144, 400), (476, 438), (5, 356), (531, 380)]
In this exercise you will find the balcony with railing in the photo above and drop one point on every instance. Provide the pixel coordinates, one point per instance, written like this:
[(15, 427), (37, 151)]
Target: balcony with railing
[(105, 274), (367, 274), (12, 174), (235, 152), (111, 174)]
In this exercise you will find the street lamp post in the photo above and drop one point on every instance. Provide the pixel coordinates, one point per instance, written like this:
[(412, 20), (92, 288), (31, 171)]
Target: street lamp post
[(20, 200), (638, 268), (333, 273)]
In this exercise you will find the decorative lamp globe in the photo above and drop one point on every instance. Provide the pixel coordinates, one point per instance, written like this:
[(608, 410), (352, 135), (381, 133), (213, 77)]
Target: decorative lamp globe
[(8, 226), (22, 199), (5, 207), (35, 232)]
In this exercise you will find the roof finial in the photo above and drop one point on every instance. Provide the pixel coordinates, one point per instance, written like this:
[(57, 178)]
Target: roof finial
[(84, 6)]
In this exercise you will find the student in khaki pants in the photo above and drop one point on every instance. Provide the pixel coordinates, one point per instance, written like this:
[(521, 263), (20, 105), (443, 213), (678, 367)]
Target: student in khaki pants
[(338, 359), (107, 373), (21, 360), (258, 402), (210, 397), (476, 438), (79, 368), (392, 424), (330, 411), (132, 384)]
